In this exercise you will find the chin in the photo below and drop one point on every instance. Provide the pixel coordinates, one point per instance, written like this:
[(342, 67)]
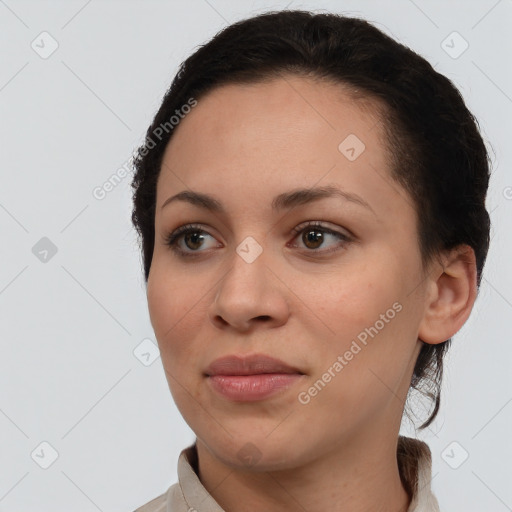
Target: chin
[(255, 452)]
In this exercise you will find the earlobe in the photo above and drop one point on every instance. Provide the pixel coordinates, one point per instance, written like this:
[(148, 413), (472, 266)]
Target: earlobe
[(452, 296)]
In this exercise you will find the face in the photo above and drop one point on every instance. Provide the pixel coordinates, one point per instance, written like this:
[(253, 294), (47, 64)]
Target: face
[(330, 283)]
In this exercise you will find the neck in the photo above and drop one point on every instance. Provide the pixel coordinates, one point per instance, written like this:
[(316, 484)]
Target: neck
[(358, 474)]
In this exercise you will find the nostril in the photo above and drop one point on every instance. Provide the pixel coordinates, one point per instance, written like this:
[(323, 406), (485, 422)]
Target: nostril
[(221, 320)]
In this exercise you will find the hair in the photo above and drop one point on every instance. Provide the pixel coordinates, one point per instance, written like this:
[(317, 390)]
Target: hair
[(436, 151)]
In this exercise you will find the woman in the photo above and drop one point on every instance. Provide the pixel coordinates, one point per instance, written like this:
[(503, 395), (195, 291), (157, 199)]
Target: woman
[(310, 200)]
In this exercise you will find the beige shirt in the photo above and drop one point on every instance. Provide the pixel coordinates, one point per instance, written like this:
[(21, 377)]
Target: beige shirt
[(189, 494)]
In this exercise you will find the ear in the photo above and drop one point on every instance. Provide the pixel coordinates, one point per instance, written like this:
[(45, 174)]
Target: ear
[(451, 293)]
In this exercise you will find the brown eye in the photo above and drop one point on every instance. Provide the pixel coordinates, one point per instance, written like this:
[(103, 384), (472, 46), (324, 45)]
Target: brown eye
[(193, 240), (315, 235), (187, 240), (312, 238)]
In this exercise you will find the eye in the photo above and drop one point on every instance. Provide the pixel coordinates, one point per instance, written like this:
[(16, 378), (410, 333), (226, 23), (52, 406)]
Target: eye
[(314, 235), (193, 237)]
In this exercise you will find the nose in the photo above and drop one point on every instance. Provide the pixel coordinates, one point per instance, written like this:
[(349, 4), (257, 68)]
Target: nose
[(249, 294)]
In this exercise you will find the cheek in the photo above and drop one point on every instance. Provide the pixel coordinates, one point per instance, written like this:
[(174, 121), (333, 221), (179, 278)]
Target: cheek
[(366, 311), (353, 297), (177, 310)]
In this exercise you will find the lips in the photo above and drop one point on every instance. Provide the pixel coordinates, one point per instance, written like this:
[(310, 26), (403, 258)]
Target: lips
[(251, 378), (255, 364)]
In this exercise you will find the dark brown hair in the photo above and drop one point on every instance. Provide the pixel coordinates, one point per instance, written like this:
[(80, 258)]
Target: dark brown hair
[(437, 153)]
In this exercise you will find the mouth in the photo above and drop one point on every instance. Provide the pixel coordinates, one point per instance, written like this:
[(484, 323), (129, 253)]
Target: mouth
[(251, 378), (255, 364)]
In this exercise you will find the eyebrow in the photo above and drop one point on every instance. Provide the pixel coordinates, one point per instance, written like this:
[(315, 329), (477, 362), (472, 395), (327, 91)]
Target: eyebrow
[(284, 201)]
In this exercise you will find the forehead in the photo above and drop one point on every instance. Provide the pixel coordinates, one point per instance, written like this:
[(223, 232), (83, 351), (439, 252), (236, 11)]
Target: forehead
[(253, 141)]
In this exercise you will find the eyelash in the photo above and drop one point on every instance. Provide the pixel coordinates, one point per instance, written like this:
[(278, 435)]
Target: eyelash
[(172, 238)]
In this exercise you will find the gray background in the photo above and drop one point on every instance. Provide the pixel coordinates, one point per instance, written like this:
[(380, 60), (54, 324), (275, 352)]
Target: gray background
[(72, 373)]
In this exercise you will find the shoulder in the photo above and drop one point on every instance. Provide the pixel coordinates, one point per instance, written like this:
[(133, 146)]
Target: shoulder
[(170, 501), (158, 504)]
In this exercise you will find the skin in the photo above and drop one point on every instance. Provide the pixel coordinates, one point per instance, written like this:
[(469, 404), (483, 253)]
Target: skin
[(245, 144)]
